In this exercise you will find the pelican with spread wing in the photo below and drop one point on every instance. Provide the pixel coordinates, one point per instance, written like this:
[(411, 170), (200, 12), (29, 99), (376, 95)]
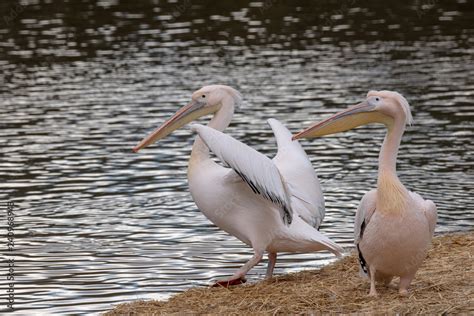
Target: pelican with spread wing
[(393, 226), (274, 205)]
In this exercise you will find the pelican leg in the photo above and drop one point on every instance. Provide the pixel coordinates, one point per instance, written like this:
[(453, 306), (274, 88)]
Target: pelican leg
[(372, 271), (257, 257), (272, 256), (404, 284), (239, 276)]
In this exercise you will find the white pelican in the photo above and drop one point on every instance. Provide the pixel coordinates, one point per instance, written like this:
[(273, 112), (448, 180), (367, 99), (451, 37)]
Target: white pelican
[(393, 226), (271, 205)]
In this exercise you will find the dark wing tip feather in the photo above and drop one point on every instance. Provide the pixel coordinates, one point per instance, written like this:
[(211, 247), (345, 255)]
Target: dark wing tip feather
[(362, 262), (287, 217), (257, 189)]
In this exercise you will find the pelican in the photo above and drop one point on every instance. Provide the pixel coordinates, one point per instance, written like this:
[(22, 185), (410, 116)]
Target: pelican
[(393, 226), (273, 205)]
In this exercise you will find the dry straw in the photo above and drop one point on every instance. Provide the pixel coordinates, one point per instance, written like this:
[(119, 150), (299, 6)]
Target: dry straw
[(443, 285)]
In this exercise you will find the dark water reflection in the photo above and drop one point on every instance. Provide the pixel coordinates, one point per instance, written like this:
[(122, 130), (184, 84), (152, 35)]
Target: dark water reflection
[(81, 82)]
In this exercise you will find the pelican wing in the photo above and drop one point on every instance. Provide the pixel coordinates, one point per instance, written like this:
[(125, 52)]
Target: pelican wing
[(431, 213), (364, 213), (429, 209), (298, 173), (255, 169)]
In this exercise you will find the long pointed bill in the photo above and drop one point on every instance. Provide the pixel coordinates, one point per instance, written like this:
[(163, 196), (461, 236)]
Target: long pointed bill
[(186, 114), (357, 115)]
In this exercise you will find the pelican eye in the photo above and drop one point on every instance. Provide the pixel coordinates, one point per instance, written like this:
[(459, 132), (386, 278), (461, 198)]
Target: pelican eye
[(203, 96), (377, 99)]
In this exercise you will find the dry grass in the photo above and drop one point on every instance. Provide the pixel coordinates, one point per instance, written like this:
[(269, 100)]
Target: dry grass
[(444, 284)]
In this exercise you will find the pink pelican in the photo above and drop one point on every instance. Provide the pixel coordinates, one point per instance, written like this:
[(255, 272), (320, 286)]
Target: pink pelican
[(393, 226), (273, 205)]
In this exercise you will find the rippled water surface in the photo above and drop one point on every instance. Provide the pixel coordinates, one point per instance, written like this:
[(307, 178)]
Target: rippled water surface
[(81, 82)]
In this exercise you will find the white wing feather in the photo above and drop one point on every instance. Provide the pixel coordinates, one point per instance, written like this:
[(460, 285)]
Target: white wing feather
[(364, 212), (295, 167), (256, 169), (428, 208)]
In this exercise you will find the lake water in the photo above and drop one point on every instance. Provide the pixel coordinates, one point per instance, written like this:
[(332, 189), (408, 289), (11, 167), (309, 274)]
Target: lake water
[(82, 82)]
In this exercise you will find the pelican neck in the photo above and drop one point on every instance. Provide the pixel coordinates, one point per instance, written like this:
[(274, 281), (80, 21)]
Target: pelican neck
[(219, 121), (391, 194)]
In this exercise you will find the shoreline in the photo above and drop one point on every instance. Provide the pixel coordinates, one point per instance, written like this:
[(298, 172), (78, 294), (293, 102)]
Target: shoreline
[(443, 284)]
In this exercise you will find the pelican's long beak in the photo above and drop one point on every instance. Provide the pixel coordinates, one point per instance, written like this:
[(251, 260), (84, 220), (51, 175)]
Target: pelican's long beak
[(357, 115), (186, 114)]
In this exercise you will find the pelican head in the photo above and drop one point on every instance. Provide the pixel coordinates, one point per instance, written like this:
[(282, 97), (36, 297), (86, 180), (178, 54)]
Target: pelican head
[(384, 107), (207, 100)]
